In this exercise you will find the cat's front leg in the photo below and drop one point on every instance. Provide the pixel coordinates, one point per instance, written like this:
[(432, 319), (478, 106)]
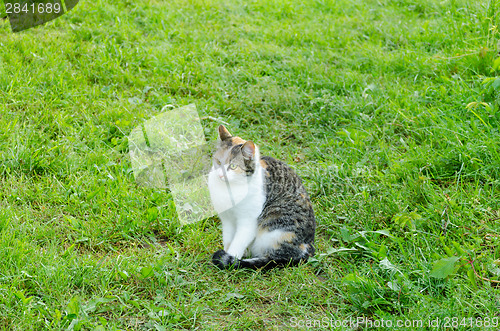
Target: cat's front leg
[(246, 231), (228, 232)]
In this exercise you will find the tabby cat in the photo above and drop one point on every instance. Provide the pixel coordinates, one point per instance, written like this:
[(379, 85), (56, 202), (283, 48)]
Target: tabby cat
[(264, 208)]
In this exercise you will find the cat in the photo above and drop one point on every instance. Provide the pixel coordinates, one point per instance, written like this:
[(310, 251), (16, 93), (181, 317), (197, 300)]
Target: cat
[(263, 206)]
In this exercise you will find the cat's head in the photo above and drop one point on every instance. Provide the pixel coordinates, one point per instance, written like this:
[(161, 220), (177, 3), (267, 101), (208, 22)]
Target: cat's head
[(235, 159)]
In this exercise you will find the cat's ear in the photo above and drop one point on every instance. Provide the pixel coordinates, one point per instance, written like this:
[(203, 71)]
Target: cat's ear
[(248, 150), (223, 133)]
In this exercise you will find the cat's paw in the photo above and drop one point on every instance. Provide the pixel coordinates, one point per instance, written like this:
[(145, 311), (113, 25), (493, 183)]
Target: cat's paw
[(222, 260)]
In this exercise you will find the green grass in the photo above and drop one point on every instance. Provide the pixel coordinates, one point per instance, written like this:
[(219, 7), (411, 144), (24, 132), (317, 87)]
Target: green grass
[(370, 102)]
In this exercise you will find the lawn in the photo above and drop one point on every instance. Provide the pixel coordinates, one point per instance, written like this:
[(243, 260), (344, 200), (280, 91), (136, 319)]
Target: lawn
[(388, 110)]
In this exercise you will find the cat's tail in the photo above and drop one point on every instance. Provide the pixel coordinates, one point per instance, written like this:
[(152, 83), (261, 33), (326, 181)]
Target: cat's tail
[(225, 261)]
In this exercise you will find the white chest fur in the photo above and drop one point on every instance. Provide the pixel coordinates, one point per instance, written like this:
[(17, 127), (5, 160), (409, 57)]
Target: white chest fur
[(239, 203), (239, 195)]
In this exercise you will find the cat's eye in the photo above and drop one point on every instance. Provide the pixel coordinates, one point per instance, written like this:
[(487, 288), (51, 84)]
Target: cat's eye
[(232, 166), (217, 162)]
